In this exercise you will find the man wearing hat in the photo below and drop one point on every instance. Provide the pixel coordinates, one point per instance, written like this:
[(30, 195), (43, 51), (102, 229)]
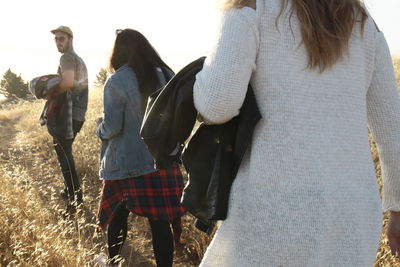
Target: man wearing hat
[(73, 92)]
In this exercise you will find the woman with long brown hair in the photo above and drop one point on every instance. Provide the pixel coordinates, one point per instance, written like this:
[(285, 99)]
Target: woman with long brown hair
[(306, 192), (130, 181)]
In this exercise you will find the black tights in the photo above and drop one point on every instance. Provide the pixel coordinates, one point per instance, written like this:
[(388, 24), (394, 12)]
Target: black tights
[(162, 237)]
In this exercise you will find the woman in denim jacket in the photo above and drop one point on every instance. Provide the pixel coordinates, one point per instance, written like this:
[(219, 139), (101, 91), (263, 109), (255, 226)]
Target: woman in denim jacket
[(130, 182)]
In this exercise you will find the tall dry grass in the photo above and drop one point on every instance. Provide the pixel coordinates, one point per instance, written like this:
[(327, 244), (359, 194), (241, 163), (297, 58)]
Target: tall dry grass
[(35, 231)]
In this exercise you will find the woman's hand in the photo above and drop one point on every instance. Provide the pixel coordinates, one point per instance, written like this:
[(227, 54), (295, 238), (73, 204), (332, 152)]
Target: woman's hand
[(393, 232)]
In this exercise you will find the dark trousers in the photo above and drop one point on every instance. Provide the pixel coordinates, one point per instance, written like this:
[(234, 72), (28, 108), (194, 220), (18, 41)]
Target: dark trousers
[(163, 245), (63, 148)]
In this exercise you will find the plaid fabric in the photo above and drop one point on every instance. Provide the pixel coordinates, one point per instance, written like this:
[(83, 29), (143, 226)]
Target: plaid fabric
[(155, 195)]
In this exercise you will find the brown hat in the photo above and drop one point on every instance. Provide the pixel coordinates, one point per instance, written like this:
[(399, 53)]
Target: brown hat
[(63, 29)]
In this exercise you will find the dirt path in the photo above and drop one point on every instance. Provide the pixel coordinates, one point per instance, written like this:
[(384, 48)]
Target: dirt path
[(7, 135)]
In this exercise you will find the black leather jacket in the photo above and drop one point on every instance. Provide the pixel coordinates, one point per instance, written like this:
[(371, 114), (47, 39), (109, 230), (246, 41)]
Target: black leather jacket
[(170, 116), (212, 156)]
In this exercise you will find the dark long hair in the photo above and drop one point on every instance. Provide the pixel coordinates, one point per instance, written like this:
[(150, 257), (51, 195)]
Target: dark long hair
[(133, 49)]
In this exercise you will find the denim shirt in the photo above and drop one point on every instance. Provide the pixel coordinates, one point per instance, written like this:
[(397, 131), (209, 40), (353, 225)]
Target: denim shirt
[(123, 153)]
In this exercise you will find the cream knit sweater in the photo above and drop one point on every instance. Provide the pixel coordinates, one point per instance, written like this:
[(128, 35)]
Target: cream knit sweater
[(306, 193)]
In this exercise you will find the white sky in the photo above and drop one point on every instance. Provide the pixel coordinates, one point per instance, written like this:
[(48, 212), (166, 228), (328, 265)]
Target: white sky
[(179, 29)]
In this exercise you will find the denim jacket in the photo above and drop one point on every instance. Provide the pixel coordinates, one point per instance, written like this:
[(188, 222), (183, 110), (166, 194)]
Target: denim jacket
[(123, 152)]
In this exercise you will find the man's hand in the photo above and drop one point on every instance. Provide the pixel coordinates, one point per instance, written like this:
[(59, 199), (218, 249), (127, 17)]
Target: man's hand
[(393, 232)]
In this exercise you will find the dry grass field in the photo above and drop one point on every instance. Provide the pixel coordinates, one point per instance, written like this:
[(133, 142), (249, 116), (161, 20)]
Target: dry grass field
[(34, 230)]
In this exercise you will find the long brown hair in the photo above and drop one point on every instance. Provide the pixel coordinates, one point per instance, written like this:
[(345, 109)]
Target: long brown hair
[(326, 27), (133, 49)]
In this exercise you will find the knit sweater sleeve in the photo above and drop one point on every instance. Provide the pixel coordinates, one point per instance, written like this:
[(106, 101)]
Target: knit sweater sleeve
[(221, 86), (383, 107)]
